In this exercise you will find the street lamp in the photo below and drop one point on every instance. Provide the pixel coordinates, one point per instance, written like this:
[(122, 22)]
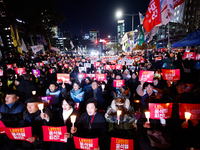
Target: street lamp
[(119, 14)]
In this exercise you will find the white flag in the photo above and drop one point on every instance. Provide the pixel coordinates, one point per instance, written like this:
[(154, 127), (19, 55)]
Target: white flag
[(55, 49), (23, 46), (167, 10), (141, 17), (36, 48), (72, 45), (124, 39)]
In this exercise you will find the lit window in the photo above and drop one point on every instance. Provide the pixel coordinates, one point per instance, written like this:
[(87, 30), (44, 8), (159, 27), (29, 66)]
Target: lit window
[(190, 1), (189, 8), (5, 29), (8, 35), (187, 23), (177, 18), (177, 12)]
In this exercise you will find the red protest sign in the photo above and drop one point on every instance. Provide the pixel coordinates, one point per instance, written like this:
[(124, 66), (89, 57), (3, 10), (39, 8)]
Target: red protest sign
[(55, 134), (60, 64), (121, 144), (171, 74), (97, 64), (91, 76), (118, 83), (194, 109), (189, 87), (158, 59), (197, 57), (190, 55), (9, 66), (113, 61), (19, 133), (146, 76), (118, 66), (153, 15), (85, 143), (40, 64), (1, 72), (66, 66), (160, 110), (107, 67), (142, 60), (63, 77), (103, 61), (2, 127), (100, 77), (20, 71), (50, 71)]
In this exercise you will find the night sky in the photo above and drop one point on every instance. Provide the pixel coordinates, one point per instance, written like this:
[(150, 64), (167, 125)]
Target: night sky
[(98, 15)]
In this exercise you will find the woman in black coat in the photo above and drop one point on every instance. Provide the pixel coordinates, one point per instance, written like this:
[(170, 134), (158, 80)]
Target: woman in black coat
[(92, 124), (62, 118)]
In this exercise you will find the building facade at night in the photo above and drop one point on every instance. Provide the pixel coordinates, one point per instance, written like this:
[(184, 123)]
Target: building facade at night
[(120, 30)]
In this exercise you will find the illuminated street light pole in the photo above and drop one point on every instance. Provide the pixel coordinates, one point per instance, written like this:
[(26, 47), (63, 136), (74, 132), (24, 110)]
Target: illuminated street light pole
[(119, 14)]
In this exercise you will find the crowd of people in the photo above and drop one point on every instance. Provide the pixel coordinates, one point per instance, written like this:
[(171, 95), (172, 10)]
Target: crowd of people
[(96, 103)]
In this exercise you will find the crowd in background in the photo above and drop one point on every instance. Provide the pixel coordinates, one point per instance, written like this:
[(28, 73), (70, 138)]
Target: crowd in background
[(95, 105)]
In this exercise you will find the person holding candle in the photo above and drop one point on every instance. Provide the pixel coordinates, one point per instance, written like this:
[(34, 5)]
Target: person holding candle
[(63, 118), (92, 124), (120, 116), (33, 117)]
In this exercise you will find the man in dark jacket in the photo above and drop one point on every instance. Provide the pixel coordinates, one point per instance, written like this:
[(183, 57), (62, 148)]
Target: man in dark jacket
[(96, 93), (33, 117), (12, 105), (26, 87), (92, 124)]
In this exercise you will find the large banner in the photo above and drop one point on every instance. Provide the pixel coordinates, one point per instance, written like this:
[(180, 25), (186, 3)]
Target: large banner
[(160, 110), (121, 144), (85, 143), (19, 133), (55, 134), (118, 83), (63, 77), (194, 109), (171, 74), (146, 76), (118, 66)]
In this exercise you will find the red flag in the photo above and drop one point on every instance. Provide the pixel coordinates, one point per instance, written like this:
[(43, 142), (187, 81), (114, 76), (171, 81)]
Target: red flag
[(177, 3), (153, 15)]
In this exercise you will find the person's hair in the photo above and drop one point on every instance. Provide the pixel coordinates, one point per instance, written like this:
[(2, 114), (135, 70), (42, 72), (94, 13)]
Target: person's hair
[(146, 84), (95, 81), (120, 100), (69, 101), (13, 92), (53, 82), (27, 76), (91, 100), (77, 82), (181, 83)]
